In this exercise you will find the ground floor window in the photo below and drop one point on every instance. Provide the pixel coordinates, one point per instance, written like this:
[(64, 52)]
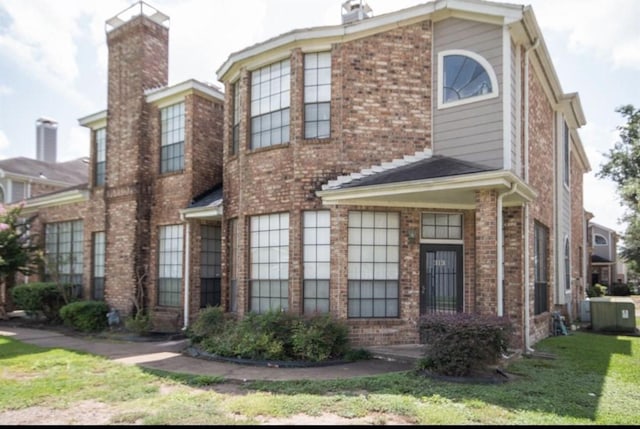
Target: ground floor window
[(541, 269), (210, 266), (99, 246), (373, 264), (317, 261), (64, 256), (269, 246), (170, 247)]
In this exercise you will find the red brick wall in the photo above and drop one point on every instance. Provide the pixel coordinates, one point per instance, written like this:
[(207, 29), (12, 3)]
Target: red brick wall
[(486, 251), (578, 239)]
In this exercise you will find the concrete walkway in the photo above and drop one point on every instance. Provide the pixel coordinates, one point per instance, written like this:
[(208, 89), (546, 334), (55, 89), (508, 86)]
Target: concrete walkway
[(168, 356)]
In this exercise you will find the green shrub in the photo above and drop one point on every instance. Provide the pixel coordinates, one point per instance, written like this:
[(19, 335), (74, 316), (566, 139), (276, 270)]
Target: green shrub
[(596, 290), (619, 289), (274, 335), (40, 298), (211, 321), (85, 316), (140, 323), (458, 344), (319, 338)]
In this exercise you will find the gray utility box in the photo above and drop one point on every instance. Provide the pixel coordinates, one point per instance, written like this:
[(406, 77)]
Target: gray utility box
[(585, 311), (613, 313)]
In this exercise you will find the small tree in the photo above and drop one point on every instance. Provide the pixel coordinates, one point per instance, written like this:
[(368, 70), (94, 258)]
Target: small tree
[(18, 253)]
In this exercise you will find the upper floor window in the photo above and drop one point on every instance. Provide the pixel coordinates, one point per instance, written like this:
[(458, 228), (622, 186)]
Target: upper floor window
[(464, 77), (101, 155), (600, 240), (317, 95), (270, 101), (172, 140), (235, 142), (565, 153)]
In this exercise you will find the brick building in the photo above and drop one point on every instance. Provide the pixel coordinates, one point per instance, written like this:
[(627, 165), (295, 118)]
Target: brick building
[(380, 169)]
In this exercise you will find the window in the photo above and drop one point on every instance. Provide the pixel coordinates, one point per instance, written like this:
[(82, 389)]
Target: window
[(442, 226), (317, 95), (541, 269), (316, 261), (63, 247), (464, 77), (567, 265), (99, 246), (172, 140), (269, 262), (101, 156), (210, 266), (600, 240), (565, 146), (233, 265), (373, 264), (235, 143), (270, 101), (169, 265), (1, 195)]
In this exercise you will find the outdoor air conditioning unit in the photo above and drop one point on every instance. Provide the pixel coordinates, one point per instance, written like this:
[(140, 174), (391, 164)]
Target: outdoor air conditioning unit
[(613, 313)]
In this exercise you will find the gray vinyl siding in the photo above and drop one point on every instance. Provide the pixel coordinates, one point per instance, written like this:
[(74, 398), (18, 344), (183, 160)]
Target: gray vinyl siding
[(471, 132), (18, 191), (516, 149)]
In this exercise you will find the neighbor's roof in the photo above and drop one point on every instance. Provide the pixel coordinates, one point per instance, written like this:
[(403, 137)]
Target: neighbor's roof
[(71, 173)]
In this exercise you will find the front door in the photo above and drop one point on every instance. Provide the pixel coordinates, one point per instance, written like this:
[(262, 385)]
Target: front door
[(441, 276)]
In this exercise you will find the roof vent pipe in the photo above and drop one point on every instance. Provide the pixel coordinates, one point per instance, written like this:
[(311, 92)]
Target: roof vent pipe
[(355, 10)]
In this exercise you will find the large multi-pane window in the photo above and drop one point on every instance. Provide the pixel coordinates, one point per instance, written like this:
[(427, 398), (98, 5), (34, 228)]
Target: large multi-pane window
[(541, 269), (63, 246), (235, 143), (373, 263), (210, 266), (172, 138), (316, 261), (101, 156), (269, 262), (270, 100), (170, 265), (99, 248), (317, 95)]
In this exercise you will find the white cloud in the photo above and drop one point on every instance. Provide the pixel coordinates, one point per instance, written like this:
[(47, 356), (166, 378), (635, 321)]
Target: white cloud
[(4, 144), (74, 145), (5, 90), (610, 33)]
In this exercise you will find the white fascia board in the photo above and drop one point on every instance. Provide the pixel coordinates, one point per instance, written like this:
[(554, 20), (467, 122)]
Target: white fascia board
[(166, 96), (34, 179), (504, 13), (207, 212), (61, 198), (500, 179), (94, 121)]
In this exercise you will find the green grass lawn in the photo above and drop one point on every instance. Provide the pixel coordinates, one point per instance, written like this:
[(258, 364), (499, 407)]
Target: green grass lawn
[(592, 379)]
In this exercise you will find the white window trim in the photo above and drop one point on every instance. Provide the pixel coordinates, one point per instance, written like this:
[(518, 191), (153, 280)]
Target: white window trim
[(482, 61)]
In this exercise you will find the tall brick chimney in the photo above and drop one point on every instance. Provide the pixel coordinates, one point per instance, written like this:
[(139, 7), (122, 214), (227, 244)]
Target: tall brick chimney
[(138, 43)]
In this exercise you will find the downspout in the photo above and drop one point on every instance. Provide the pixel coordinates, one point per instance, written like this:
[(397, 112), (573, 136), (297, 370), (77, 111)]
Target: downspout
[(187, 270), (500, 249), (527, 279)]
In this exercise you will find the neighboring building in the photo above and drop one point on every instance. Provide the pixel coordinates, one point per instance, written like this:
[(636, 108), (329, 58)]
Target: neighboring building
[(23, 178), (604, 258), (425, 160)]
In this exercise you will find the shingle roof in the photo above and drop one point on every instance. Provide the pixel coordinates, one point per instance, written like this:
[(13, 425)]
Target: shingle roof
[(208, 197), (72, 172), (429, 168)]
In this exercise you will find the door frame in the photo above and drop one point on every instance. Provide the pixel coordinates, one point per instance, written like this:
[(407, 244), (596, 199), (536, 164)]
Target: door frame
[(428, 247)]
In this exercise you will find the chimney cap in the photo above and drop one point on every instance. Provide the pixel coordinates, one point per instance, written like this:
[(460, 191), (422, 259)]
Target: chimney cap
[(45, 120), (135, 10), (355, 10)]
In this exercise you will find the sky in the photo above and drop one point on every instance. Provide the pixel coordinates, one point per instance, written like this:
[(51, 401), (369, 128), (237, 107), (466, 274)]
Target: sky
[(53, 63)]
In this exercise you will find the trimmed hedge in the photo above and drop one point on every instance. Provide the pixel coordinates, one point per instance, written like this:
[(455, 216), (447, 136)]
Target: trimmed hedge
[(458, 344), (40, 298), (86, 316)]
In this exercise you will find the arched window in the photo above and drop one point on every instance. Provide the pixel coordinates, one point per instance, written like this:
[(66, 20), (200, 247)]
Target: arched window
[(600, 240), (464, 77)]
